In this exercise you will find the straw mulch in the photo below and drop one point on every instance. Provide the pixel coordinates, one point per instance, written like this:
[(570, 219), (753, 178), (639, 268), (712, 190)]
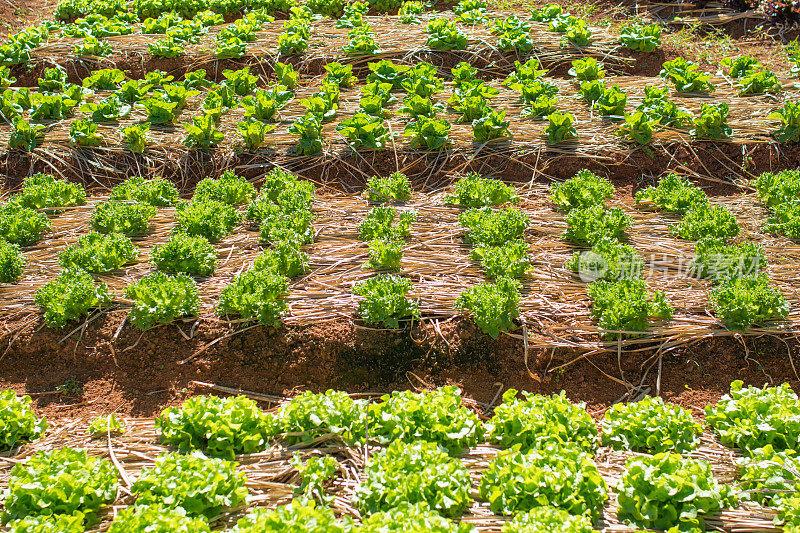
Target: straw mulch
[(554, 306), (272, 479)]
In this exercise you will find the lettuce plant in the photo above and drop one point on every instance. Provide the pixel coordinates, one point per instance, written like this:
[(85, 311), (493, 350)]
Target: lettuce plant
[(385, 254), (445, 35), (789, 122), (159, 111), (22, 225), (717, 261), (534, 421), (59, 523), (309, 129), (775, 188), (284, 258), (202, 133), (392, 188), (228, 188), (315, 472), (362, 43), (421, 80), (436, 416), (264, 104), (109, 110), (668, 490), (625, 307), (386, 71), (507, 260), (102, 426), (167, 48), (12, 262), (656, 104), (746, 301), (252, 132), (297, 515), (705, 220), (92, 46), (611, 102), (106, 79), (419, 472), (591, 91), (672, 194), (591, 224), (408, 517), (494, 306), (751, 417), (128, 218), (256, 295), (209, 218), (44, 192), (768, 476), (641, 38), (309, 417), (156, 192), (560, 128), (362, 131), (474, 190), (764, 82), (585, 189), (531, 70), (785, 220), (493, 227), (608, 260), (20, 423), (563, 476), (712, 123), (409, 10), (135, 137), (60, 482), (638, 128), (550, 519), (380, 224), (157, 519), (188, 254), (578, 33), (161, 299), (587, 69), (83, 133), (686, 76), (491, 127), (286, 75), (70, 296), (384, 300), (199, 485), (99, 254), (652, 426), (219, 427), (240, 81)]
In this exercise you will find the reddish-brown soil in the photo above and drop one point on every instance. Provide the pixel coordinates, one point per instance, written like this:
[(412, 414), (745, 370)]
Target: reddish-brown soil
[(139, 376)]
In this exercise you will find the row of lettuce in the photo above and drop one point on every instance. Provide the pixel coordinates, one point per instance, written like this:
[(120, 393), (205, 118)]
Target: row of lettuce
[(162, 101), (544, 477), (742, 295), (179, 30)]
